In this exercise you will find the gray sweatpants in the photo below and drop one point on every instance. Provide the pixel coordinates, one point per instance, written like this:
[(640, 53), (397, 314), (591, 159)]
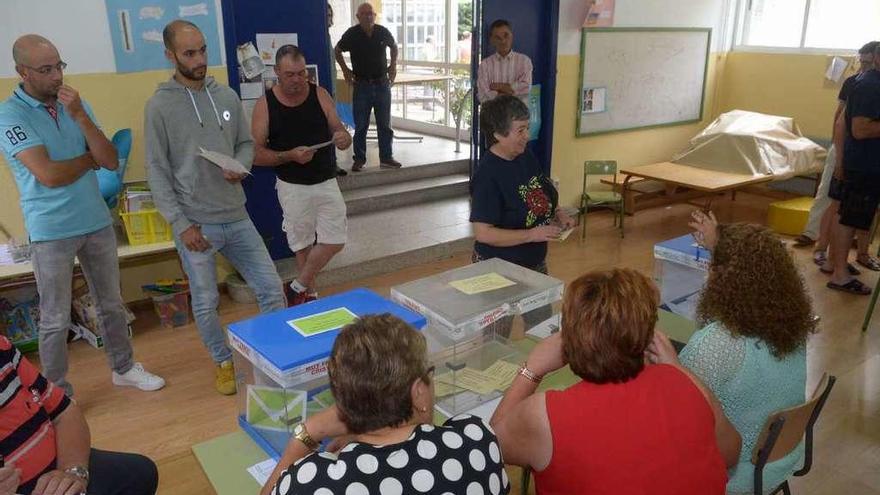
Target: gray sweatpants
[(53, 269)]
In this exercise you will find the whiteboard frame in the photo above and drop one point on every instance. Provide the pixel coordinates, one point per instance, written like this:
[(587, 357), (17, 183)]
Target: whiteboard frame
[(586, 31)]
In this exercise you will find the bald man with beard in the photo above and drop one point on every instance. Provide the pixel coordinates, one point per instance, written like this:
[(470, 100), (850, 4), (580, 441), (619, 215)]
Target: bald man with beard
[(53, 144)]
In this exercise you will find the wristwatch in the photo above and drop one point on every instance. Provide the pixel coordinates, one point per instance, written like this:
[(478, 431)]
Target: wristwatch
[(279, 155), (80, 472), (301, 434)]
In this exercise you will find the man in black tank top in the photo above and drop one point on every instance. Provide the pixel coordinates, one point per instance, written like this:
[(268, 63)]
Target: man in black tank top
[(293, 126)]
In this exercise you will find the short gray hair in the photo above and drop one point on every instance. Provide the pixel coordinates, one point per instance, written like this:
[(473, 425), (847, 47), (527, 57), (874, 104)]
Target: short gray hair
[(288, 51), (497, 116)]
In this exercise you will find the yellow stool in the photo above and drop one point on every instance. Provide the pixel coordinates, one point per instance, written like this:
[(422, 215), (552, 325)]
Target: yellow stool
[(790, 216)]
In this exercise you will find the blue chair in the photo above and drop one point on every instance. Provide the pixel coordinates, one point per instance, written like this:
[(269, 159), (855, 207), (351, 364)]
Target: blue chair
[(110, 181)]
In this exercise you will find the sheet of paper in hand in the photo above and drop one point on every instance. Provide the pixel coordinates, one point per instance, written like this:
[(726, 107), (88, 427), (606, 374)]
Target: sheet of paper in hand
[(563, 235), (320, 145), (223, 161)]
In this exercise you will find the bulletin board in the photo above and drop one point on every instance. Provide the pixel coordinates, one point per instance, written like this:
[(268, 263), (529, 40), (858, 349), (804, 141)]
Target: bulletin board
[(632, 78)]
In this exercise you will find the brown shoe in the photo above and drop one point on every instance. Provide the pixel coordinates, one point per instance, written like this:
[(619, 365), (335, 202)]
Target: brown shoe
[(358, 165), (803, 241), (390, 163)]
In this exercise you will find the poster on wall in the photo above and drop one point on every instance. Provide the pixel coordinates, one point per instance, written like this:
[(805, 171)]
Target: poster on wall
[(136, 30), (600, 13), (593, 100), (269, 43), (534, 111)]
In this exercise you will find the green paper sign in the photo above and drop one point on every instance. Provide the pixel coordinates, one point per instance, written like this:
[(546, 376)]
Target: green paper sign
[(309, 326)]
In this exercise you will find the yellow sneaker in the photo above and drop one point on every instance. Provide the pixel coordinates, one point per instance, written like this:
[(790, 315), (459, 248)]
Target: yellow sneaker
[(225, 382)]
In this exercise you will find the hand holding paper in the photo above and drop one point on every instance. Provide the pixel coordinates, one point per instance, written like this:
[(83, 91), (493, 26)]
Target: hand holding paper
[(316, 147), (227, 163)]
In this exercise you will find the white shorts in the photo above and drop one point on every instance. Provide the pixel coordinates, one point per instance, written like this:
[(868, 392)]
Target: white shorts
[(312, 210)]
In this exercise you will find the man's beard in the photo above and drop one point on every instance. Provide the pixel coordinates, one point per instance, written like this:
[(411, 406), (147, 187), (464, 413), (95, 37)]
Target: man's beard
[(191, 73)]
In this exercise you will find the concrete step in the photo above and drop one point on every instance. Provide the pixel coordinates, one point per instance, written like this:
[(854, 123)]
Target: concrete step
[(374, 176), (395, 194), (388, 240)]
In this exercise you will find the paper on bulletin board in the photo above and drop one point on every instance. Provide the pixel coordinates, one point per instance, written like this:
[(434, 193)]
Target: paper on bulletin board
[(269, 43), (534, 111), (600, 13), (136, 30), (325, 321), (481, 283), (593, 100)]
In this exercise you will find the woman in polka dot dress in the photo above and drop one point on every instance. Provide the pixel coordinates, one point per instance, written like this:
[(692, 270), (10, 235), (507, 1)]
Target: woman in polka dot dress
[(382, 421)]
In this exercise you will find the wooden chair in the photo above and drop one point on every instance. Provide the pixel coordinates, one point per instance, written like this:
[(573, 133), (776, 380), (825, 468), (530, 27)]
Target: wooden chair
[(600, 198), (783, 432)]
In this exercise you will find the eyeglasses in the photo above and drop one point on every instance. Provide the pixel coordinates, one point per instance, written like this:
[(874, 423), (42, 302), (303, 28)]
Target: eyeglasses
[(47, 69), (429, 373)]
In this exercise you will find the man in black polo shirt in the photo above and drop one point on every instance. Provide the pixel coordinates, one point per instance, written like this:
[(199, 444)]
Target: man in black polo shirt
[(861, 176), (372, 77)]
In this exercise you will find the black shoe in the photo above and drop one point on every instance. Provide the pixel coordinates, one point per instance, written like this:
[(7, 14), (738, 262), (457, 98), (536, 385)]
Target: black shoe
[(358, 165), (341, 172)]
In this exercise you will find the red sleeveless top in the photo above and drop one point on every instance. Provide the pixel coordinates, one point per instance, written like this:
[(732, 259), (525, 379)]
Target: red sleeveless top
[(654, 434)]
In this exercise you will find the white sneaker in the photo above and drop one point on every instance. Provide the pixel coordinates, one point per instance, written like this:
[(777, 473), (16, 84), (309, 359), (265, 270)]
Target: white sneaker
[(138, 377)]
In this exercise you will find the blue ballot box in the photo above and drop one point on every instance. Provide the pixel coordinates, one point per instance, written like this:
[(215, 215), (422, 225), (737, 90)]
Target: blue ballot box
[(280, 361), (680, 270)]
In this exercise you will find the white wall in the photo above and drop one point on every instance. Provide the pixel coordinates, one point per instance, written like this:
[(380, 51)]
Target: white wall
[(79, 29), (647, 13)]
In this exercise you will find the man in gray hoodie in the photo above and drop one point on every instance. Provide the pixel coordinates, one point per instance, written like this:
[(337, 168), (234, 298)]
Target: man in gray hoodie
[(203, 203)]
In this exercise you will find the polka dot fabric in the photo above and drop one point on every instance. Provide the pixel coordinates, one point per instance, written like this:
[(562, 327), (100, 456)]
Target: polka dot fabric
[(462, 456)]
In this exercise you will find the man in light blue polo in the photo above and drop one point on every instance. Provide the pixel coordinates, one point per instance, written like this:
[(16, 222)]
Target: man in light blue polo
[(52, 143)]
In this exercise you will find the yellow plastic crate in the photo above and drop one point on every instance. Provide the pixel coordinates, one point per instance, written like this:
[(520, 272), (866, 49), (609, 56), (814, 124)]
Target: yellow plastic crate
[(145, 227), (789, 217)]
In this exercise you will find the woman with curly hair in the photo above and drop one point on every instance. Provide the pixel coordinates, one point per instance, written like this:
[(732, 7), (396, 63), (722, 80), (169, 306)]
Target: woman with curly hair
[(752, 350)]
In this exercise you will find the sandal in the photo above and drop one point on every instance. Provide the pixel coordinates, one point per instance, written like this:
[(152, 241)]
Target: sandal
[(849, 268), (820, 257), (854, 286), (870, 262), (803, 241)]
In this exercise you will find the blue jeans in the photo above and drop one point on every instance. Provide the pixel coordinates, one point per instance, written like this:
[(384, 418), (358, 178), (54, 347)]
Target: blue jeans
[(53, 269), (368, 97), (241, 244)]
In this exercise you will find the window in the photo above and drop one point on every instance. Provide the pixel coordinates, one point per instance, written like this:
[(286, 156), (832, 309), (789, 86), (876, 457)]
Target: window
[(810, 24)]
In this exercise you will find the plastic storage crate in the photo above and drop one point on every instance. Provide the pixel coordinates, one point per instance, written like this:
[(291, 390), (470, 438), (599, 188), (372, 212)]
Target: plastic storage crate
[(281, 362), (145, 227)]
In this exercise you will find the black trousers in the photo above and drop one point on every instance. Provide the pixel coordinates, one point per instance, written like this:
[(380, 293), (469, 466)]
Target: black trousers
[(116, 473)]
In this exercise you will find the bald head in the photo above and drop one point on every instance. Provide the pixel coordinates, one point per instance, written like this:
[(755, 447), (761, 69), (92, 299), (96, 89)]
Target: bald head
[(366, 16), (30, 47), (169, 34)]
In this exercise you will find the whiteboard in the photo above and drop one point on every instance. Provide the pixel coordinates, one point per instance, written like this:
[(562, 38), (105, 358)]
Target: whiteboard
[(632, 78)]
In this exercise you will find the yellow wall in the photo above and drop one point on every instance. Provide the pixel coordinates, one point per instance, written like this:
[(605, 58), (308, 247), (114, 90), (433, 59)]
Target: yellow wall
[(118, 102), (627, 147), (791, 85)]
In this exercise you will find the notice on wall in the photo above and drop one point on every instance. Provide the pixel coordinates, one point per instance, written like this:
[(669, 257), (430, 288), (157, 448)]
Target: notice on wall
[(600, 13), (136, 31), (269, 43), (593, 100)]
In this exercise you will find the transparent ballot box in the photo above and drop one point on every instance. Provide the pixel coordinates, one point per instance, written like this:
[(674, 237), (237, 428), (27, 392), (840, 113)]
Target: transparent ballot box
[(281, 361), (476, 316), (680, 270)]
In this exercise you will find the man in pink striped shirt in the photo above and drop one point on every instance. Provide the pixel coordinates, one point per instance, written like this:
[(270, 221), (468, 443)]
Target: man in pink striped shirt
[(506, 72)]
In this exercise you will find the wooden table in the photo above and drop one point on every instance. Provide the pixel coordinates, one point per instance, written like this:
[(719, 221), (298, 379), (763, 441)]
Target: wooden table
[(23, 273), (699, 180)]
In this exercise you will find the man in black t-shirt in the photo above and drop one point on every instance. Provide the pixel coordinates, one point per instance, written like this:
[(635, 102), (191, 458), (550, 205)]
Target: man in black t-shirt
[(823, 213), (371, 76), (861, 175), (293, 126)]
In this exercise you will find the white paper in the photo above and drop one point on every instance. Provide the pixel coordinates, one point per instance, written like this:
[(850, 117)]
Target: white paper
[(836, 69), (249, 60), (262, 470), (563, 235), (319, 146), (269, 43), (251, 90), (593, 100), (225, 162), (546, 328), (151, 12)]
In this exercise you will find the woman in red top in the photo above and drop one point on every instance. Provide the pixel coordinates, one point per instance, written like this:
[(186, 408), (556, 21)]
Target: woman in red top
[(628, 427)]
